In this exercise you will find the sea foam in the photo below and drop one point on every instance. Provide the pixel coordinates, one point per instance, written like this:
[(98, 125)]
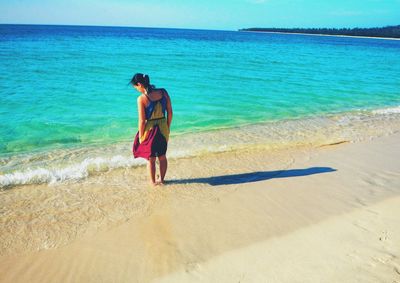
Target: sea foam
[(390, 110), (73, 172)]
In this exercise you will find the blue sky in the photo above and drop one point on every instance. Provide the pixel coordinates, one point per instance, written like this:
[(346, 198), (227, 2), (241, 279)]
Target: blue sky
[(207, 14)]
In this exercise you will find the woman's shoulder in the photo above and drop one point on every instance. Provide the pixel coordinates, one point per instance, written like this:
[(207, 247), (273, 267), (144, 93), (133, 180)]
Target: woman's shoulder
[(142, 101), (163, 91)]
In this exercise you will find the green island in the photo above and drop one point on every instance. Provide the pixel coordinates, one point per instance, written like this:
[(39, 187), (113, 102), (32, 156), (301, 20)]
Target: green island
[(387, 32)]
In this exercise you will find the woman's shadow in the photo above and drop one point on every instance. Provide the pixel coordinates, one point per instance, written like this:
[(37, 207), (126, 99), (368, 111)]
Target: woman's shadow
[(254, 176)]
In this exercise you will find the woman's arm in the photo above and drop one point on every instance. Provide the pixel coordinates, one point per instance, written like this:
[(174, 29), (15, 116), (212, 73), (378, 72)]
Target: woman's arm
[(141, 117), (169, 109)]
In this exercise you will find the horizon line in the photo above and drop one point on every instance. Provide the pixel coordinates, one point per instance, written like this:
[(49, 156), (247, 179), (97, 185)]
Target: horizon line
[(89, 25), (237, 29)]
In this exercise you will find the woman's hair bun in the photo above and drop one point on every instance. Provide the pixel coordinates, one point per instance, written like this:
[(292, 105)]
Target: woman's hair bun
[(143, 79)]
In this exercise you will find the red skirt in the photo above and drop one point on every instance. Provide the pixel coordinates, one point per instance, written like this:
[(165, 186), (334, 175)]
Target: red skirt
[(154, 145)]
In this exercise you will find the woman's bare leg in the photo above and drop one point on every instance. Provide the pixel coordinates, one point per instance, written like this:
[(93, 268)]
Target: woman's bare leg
[(163, 167), (152, 169)]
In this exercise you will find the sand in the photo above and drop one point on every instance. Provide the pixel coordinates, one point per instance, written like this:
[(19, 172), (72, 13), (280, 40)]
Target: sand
[(326, 214)]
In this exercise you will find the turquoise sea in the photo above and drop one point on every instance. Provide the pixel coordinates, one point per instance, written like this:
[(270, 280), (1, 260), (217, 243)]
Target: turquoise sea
[(66, 108)]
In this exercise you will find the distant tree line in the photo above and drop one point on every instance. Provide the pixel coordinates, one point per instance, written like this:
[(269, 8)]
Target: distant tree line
[(389, 31)]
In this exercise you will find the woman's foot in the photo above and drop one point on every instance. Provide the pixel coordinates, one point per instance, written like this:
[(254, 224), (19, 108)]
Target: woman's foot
[(159, 181)]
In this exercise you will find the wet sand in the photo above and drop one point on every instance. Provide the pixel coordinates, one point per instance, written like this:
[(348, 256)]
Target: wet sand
[(303, 214)]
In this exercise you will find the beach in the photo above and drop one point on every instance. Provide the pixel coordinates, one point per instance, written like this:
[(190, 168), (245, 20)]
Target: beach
[(320, 34), (327, 213)]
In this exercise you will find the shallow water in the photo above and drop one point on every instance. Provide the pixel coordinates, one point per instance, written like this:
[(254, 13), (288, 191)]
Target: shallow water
[(36, 217)]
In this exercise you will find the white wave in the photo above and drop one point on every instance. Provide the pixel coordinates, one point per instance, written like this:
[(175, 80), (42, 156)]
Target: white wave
[(391, 110), (69, 173), (81, 170)]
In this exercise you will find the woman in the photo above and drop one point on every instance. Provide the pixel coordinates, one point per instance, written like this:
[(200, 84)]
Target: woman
[(152, 137)]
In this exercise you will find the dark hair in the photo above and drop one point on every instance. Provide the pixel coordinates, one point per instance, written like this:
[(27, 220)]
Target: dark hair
[(144, 80)]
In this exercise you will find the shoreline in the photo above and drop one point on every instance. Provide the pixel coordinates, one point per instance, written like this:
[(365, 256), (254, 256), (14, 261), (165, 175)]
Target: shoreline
[(78, 164), (320, 34), (331, 205)]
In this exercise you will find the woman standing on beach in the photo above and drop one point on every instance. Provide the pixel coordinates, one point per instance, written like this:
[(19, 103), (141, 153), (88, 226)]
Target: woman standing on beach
[(152, 137)]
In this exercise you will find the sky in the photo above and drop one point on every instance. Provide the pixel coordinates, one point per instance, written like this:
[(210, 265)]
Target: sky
[(204, 14)]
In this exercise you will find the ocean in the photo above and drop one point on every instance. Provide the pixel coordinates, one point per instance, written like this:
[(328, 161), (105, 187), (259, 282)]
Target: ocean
[(66, 109)]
